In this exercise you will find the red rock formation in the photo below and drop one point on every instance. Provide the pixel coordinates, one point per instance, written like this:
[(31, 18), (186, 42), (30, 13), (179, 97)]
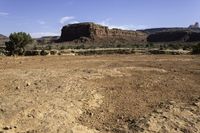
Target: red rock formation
[(97, 32)]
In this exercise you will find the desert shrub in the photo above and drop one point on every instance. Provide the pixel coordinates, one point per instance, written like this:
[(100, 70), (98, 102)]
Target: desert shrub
[(80, 47), (184, 48), (196, 49), (137, 46), (53, 52), (149, 45), (174, 46), (187, 47), (35, 47), (17, 43), (62, 47), (161, 47), (165, 46), (32, 52), (36, 52), (28, 53), (49, 47), (156, 51), (44, 52), (119, 46)]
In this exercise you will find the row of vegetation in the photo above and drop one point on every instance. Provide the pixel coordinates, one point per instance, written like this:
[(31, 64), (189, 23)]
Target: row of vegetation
[(160, 46), (18, 42)]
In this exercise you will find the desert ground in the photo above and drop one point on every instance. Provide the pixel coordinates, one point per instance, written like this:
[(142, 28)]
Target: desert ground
[(100, 94)]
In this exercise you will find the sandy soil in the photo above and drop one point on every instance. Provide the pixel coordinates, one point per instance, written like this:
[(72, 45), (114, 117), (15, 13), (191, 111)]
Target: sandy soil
[(91, 94)]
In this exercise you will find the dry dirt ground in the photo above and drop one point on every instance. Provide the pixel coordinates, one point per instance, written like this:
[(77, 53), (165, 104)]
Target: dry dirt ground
[(100, 94)]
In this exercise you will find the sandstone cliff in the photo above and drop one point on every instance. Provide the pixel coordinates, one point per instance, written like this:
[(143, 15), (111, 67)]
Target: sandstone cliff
[(95, 32)]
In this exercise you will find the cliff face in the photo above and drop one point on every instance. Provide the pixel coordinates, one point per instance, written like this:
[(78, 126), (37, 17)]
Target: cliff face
[(97, 32), (174, 36), (192, 28)]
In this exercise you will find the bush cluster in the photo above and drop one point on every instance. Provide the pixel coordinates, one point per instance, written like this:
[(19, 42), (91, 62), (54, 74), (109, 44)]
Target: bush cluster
[(17, 43), (196, 49)]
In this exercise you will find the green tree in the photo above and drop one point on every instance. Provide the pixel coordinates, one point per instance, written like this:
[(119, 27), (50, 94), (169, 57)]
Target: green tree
[(17, 43)]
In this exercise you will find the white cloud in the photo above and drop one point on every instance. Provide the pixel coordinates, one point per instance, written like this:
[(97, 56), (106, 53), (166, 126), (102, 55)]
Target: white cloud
[(4, 13), (128, 27), (106, 22), (66, 19), (74, 22), (41, 22), (41, 34)]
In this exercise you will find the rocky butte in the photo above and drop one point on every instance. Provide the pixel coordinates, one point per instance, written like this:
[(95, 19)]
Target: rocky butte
[(95, 32)]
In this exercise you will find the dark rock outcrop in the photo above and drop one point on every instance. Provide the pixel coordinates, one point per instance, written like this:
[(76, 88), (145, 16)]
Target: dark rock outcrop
[(174, 36), (95, 32), (191, 28)]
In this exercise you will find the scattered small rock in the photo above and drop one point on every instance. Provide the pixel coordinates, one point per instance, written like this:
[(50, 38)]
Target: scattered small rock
[(31, 116), (28, 84), (17, 88), (7, 128), (172, 102)]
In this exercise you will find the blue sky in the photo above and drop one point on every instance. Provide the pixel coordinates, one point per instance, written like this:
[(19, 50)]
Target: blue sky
[(46, 17)]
